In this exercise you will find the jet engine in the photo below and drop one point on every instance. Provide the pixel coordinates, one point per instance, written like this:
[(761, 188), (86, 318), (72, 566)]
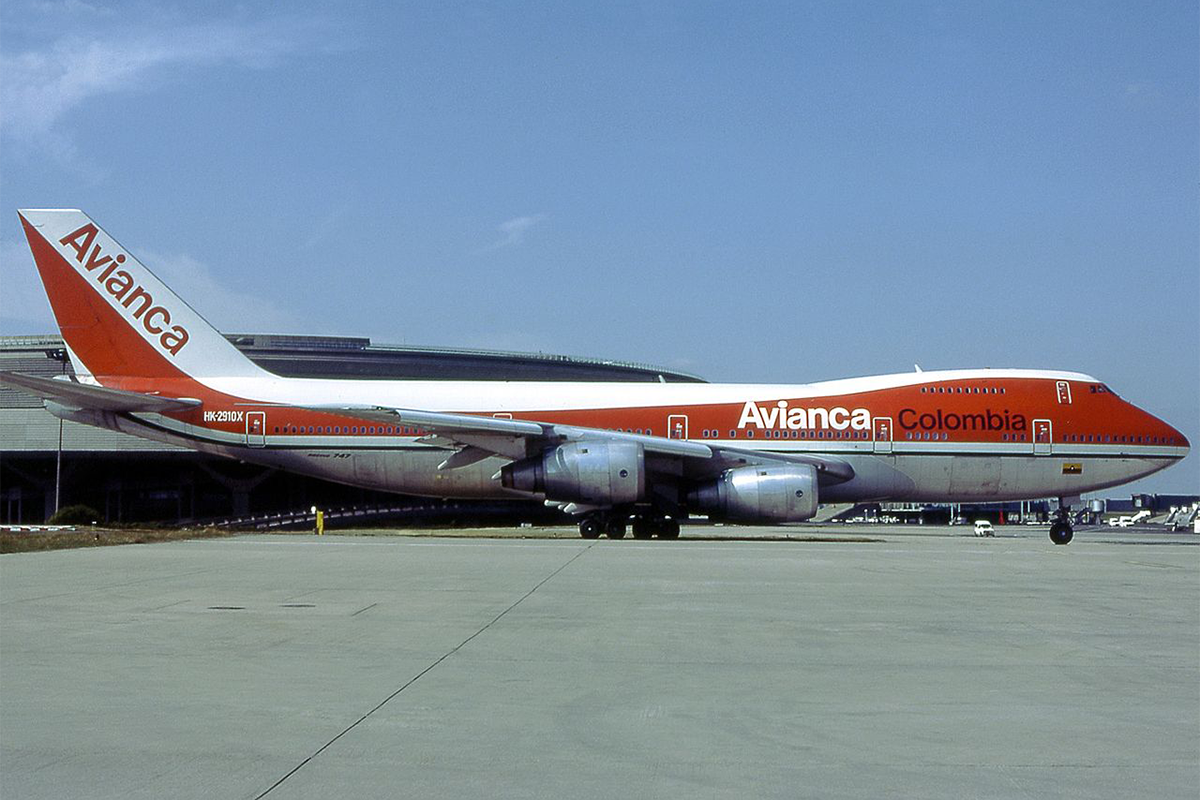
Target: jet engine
[(783, 493), (593, 473)]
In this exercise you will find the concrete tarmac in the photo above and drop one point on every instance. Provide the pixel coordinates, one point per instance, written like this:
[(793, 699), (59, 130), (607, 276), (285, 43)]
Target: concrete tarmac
[(929, 664)]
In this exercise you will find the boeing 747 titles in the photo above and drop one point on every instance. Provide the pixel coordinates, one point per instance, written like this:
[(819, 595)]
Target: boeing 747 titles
[(611, 454)]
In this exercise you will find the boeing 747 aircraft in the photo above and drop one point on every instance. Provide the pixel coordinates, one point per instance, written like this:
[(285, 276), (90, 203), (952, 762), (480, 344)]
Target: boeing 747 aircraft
[(610, 453)]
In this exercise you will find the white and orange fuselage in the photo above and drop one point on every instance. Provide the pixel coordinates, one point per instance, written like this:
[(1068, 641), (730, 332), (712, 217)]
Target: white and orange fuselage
[(947, 436)]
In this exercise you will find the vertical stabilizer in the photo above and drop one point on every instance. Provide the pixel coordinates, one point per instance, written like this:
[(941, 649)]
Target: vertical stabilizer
[(118, 319)]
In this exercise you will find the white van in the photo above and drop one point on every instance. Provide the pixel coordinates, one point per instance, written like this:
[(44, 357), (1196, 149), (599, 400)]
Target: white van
[(984, 528)]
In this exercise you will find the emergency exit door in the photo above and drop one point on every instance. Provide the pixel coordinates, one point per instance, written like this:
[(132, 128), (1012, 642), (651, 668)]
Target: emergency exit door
[(256, 428), (1063, 388), (677, 426), (1042, 437), (883, 434)]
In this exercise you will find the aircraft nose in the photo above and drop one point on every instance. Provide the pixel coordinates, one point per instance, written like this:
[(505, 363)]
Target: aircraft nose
[(1173, 436), (1164, 433)]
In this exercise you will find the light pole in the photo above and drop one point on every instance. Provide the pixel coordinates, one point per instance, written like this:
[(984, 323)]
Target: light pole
[(59, 355)]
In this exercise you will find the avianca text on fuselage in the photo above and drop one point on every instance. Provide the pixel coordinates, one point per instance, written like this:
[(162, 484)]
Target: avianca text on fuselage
[(779, 415), (121, 285)]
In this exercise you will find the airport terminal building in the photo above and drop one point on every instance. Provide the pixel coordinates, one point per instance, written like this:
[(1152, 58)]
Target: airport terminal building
[(128, 479)]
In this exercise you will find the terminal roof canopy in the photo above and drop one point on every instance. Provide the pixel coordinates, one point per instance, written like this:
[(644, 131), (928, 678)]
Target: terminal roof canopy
[(351, 358)]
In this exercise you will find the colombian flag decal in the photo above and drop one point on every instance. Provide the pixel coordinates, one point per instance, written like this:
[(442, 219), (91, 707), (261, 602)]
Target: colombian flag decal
[(1072, 469)]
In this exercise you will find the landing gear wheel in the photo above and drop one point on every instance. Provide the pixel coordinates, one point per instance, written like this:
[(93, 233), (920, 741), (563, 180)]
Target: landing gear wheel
[(668, 529), (615, 528), (643, 528), (590, 528), (1061, 533)]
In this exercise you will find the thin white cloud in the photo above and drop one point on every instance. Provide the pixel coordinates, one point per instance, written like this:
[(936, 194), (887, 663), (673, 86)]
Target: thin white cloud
[(324, 229), (512, 232), (230, 309), (1142, 90), (59, 8), (23, 304), (25, 309), (42, 86)]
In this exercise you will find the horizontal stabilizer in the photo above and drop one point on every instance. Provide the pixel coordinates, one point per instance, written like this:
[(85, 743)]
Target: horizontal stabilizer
[(83, 395)]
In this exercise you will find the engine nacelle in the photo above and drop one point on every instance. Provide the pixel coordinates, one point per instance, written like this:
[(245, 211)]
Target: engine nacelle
[(784, 493), (594, 473)]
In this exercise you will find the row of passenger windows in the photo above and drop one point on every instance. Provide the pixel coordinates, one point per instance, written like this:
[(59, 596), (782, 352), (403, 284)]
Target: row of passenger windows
[(1098, 438), (803, 434), (962, 390), (387, 430), (943, 437), (398, 430)]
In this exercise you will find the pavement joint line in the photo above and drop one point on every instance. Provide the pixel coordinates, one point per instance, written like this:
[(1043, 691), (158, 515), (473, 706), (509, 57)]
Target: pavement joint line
[(422, 673), (110, 586)]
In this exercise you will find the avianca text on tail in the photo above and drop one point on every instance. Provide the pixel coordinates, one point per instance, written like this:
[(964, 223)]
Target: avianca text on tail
[(122, 287), (615, 455)]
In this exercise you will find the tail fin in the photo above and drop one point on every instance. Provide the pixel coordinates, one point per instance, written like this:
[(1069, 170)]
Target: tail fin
[(118, 319)]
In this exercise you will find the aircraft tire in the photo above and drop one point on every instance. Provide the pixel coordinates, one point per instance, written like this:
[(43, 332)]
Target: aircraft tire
[(643, 528), (590, 528), (615, 528), (1061, 533), (669, 529)]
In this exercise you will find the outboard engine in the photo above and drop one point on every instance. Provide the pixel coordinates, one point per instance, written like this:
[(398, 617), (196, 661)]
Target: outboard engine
[(783, 493), (593, 473)]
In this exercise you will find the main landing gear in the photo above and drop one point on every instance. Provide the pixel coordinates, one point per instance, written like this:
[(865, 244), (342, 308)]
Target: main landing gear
[(613, 526), (1060, 529)]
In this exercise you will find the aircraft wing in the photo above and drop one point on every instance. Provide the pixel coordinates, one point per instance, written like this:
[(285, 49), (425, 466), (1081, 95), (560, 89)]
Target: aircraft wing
[(83, 395), (480, 437)]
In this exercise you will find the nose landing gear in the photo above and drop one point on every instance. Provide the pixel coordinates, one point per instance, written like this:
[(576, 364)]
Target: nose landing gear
[(1060, 530), (1061, 533)]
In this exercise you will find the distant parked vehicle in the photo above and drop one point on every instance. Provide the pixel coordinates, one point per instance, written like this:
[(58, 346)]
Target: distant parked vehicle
[(1130, 521), (984, 528)]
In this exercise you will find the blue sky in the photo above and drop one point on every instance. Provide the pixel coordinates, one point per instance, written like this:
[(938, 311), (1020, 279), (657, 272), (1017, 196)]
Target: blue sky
[(777, 192)]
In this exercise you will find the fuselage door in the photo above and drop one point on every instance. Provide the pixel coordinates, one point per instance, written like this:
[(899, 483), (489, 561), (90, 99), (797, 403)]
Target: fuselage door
[(883, 434), (1064, 393), (677, 426), (1042, 437), (256, 428)]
